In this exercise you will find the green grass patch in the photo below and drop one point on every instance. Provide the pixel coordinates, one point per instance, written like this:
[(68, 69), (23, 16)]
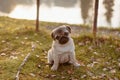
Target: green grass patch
[(98, 62)]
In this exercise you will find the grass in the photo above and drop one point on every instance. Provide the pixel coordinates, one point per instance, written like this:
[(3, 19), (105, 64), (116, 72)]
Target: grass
[(98, 62)]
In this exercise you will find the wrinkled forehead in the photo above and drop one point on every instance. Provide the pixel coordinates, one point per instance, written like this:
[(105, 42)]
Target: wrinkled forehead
[(61, 30)]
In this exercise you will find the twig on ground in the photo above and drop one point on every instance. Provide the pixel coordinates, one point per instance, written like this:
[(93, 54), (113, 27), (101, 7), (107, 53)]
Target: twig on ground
[(20, 67)]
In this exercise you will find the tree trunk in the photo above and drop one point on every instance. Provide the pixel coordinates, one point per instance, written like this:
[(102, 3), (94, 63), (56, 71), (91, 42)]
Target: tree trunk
[(37, 18), (95, 18)]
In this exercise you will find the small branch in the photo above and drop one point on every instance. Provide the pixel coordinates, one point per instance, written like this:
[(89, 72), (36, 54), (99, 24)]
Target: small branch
[(20, 67)]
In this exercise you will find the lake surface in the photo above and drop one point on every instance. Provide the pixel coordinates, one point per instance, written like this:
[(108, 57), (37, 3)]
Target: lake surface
[(66, 15)]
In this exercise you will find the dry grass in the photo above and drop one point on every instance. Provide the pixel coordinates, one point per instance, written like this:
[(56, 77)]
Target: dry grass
[(100, 62)]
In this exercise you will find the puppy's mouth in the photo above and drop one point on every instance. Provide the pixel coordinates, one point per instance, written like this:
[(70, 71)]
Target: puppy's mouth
[(63, 40)]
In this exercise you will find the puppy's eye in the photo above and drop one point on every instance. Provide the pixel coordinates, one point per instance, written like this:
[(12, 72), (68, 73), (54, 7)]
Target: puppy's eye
[(57, 37), (66, 33)]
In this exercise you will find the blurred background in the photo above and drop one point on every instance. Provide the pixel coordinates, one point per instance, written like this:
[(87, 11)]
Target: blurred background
[(97, 49), (64, 11)]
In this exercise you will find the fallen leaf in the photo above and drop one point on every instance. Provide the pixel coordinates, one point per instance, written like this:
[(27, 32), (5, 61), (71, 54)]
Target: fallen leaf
[(46, 57), (8, 43), (22, 55), (31, 74), (115, 78), (94, 77), (92, 64), (113, 71), (73, 79), (40, 43), (3, 41), (105, 69), (53, 76), (119, 64), (35, 34), (110, 68), (89, 73), (84, 76), (39, 66), (70, 71), (47, 76), (81, 44), (119, 59), (95, 53), (81, 63), (37, 56), (22, 42), (63, 77), (45, 52), (33, 45), (118, 49), (17, 37), (87, 42), (15, 53), (26, 38), (108, 63), (102, 76), (3, 54), (13, 57), (109, 78), (111, 46), (37, 41), (90, 48)]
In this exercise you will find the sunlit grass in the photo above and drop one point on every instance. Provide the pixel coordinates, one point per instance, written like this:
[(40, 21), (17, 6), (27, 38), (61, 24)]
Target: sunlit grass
[(98, 62)]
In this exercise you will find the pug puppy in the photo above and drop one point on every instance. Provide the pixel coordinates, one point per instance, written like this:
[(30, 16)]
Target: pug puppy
[(63, 49)]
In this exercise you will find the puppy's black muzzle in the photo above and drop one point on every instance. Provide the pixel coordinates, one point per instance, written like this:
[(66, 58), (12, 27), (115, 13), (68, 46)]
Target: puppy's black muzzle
[(63, 40)]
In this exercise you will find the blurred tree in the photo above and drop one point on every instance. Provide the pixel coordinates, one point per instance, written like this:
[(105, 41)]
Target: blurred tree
[(85, 6), (24, 2), (48, 3), (95, 18), (7, 6), (37, 18), (65, 3), (109, 9)]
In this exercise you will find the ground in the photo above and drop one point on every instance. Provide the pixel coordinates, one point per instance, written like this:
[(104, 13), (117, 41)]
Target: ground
[(99, 58)]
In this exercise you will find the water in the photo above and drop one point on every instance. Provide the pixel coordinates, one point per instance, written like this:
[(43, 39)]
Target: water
[(65, 15)]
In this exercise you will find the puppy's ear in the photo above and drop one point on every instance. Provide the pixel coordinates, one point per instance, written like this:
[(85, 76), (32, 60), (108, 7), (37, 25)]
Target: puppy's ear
[(53, 36), (68, 28)]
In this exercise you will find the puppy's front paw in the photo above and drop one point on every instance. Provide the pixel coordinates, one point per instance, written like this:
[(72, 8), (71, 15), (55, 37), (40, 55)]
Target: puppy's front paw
[(76, 64), (53, 68)]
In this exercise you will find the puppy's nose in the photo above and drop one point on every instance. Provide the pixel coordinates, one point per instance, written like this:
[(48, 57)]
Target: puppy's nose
[(66, 33)]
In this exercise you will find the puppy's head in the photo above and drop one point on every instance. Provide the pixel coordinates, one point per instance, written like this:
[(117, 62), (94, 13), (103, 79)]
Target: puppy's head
[(61, 34)]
